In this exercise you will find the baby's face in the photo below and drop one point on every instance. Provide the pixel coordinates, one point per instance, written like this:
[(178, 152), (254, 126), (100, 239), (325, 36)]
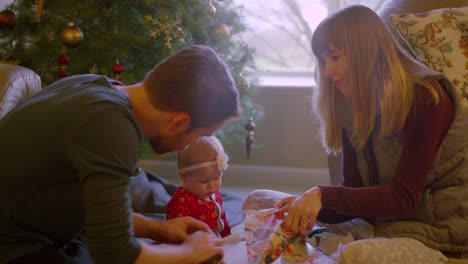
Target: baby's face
[(203, 182)]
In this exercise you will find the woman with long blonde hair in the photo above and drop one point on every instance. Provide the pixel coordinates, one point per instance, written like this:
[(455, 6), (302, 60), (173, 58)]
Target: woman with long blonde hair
[(401, 134), (380, 77)]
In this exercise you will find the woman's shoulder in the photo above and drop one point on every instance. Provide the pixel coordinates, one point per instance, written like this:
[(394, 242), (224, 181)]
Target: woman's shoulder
[(434, 92), (433, 103)]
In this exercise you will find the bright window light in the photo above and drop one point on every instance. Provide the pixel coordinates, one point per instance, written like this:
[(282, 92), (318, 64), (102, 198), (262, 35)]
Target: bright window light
[(280, 30)]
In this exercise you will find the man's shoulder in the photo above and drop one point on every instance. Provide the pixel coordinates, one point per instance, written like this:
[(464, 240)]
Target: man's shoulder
[(87, 92), (82, 85)]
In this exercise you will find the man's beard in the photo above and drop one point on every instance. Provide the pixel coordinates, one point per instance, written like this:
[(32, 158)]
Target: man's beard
[(158, 146)]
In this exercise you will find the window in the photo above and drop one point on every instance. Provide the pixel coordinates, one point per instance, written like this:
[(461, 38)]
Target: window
[(280, 31)]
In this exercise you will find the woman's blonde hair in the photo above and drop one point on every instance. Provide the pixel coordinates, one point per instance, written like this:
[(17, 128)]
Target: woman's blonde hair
[(381, 78)]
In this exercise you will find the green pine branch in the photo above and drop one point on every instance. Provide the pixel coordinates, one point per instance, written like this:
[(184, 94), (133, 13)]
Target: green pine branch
[(122, 30)]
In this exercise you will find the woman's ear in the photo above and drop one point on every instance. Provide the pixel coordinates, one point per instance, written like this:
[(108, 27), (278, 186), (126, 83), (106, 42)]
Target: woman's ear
[(179, 123)]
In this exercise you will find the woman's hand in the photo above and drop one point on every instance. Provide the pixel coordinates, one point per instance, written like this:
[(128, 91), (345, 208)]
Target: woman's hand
[(302, 211), (283, 206)]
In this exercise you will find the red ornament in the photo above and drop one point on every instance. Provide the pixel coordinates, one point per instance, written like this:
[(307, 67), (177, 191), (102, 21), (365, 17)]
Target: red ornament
[(7, 19), (117, 68), (63, 73), (62, 59)]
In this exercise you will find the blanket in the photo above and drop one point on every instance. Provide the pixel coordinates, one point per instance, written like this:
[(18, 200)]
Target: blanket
[(151, 192)]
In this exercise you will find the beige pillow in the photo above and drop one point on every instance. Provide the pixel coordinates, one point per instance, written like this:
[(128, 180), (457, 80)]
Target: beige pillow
[(439, 38), (388, 251)]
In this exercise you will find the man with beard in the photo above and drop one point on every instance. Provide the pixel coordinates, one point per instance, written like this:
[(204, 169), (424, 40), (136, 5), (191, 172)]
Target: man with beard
[(82, 135)]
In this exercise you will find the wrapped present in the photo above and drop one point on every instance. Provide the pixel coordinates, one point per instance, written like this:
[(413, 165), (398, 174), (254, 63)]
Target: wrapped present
[(295, 252), (267, 239)]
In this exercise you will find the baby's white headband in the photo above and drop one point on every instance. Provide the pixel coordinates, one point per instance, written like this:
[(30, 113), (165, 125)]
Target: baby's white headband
[(221, 160)]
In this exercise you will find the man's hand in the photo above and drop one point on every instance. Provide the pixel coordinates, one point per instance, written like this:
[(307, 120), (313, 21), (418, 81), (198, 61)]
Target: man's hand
[(177, 230), (205, 246), (199, 247)]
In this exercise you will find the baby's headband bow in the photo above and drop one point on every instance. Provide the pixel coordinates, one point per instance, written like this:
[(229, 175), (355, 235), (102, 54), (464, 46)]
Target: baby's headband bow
[(221, 160)]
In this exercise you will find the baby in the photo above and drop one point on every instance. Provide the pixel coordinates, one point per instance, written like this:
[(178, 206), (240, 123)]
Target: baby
[(201, 167)]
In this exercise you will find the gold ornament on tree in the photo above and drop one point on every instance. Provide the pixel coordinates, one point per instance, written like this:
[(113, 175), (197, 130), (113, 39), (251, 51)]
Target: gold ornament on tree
[(221, 32), (71, 36)]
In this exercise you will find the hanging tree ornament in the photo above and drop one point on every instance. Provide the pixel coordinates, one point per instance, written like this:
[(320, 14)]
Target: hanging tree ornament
[(221, 32), (171, 30), (71, 36), (63, 61), (40, 5), (93, 69), (249, 138), (244, 84), (117, 68), (7, 19), (211, 8)]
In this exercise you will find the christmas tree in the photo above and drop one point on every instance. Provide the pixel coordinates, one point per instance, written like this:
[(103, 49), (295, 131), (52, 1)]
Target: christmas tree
[(124, 39)]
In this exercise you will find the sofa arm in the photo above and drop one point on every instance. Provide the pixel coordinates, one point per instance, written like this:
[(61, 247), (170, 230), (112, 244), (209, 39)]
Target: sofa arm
[(16, 84)]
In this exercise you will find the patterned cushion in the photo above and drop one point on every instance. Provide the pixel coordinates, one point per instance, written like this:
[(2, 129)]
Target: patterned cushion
[(388, 251), (439, 38)]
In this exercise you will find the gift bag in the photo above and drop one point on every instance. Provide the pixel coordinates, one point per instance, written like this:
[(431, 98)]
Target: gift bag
[(267, 239)]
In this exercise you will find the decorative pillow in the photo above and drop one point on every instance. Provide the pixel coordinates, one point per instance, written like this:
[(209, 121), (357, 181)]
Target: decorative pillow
[(388, 251), (439, 38)]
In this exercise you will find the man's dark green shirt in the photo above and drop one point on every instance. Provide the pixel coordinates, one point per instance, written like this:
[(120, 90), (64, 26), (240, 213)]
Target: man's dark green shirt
[(67, 155)]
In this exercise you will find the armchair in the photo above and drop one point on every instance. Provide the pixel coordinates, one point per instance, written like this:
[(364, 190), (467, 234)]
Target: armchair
[(16, 84)]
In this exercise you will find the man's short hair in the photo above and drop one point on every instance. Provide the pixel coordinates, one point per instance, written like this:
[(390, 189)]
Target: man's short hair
[(194, 80)]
